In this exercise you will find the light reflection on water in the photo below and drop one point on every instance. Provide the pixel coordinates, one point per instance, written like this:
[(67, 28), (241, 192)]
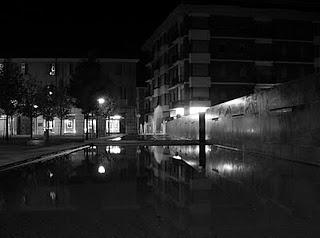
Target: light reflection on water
[(164, 190)]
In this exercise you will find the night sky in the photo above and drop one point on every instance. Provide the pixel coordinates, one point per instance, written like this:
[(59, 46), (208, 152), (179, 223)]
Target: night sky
[(70, 28)]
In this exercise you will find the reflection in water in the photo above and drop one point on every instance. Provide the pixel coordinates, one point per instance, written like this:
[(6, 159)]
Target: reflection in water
[(160, 191), (101, 169), (113, 149)]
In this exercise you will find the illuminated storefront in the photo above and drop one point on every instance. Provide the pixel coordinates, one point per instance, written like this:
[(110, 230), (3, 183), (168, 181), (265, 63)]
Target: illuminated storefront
[(70, 125), (113, 124)]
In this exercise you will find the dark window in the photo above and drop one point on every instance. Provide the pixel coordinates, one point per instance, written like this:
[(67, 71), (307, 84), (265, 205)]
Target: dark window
[(173, 76), (199, 22), (200, 46), (222, 48), (123, 93), (156, 82), (200, 70), (118, 69), (70, 68), (166, 102), (284, 50)]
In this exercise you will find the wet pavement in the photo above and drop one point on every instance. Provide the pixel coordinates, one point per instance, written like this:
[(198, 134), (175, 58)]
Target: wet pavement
[(160, 191)]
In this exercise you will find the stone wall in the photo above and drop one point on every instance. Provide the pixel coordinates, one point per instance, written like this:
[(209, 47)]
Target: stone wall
[(184, 127), (283, 122)]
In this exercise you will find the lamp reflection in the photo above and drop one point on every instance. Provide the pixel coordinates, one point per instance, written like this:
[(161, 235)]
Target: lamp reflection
[(113, 149), (101, 169)]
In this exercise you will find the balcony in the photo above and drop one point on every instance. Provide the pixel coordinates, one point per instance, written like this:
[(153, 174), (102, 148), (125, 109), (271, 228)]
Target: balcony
[(195, 34), (203, 58), (199, 81)]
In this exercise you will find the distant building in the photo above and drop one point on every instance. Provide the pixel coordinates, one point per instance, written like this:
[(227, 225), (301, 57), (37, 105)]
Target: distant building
[(202, 55), (119, 74)]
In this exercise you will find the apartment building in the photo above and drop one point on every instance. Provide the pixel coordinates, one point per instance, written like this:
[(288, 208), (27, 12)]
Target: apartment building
[(118, 74), (202, 55)]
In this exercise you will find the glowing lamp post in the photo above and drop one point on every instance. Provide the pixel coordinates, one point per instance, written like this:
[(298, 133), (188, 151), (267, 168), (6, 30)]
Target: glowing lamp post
[(36, 126), (100, 101), (101, 169)]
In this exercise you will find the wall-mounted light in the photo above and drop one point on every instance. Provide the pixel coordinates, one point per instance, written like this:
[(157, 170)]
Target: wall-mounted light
[(195, 110), (180, 111)]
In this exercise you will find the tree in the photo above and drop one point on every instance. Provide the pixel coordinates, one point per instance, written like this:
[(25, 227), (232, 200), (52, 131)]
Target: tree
[(9, 90), (83, 86), (106, 108), (47, 106), (30, 99), (63, 103)]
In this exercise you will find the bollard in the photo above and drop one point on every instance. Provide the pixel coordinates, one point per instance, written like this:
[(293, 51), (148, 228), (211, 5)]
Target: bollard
[(202, 139), (202, 127)]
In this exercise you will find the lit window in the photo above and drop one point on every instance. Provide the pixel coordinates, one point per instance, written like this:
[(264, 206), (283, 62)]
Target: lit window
[(1, 67), (52, 71)]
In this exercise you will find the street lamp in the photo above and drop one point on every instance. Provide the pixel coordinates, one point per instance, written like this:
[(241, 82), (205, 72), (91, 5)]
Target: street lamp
[(100, 101), (36, 123)]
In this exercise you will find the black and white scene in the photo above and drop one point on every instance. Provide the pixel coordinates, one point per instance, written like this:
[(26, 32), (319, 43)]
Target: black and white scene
[(160, 119)]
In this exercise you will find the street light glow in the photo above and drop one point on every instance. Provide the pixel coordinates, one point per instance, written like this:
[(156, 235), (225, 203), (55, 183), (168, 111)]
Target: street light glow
[(116, 117), (35, 106), (195, 110), (101, 100), (101, 169), (50, 92)]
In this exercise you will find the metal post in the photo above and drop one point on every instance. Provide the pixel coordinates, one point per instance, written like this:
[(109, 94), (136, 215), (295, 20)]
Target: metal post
[(202, 140), (202, 127)]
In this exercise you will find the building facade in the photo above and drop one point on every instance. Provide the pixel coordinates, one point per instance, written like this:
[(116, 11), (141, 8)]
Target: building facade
[(204, 55), (118, 74)]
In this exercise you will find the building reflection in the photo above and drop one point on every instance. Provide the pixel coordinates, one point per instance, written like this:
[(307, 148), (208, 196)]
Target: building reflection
[(182, 193), (228, 196)]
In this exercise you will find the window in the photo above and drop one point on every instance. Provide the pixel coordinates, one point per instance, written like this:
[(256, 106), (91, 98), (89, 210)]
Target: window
[(52, 70), (166, 102), (200, 46), (70, 68), (200, 70), (284, 50), (118, 69), (283, 73), (243, 72), (123, 92), (222, 48), (1, 67), (199, 22)]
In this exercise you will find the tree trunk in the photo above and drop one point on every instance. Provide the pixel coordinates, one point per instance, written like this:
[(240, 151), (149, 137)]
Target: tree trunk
[(97, 127), (87, 126), (11, 126), (47, 130), (31, 127), (92, 128), (108, 125), (7, 127), (61, 124)]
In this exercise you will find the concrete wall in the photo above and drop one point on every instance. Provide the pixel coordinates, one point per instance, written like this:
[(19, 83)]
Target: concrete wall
[(186, 127), (283, 122)]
